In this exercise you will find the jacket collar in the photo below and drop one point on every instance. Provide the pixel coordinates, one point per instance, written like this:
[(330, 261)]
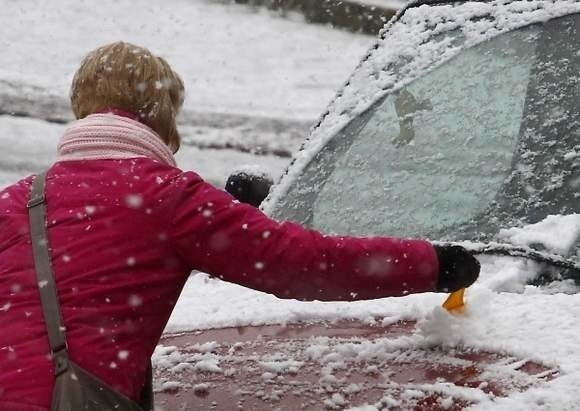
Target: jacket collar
[(112, 136)]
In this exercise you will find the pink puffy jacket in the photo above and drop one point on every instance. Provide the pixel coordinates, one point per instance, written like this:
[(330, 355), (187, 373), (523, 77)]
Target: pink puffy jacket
[(125, 235)]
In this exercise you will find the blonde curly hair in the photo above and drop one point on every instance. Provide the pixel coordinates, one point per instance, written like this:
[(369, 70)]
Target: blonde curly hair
[(128, 77)]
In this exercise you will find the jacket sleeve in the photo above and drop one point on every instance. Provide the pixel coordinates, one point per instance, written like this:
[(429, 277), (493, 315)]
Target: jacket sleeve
[(216, 234)]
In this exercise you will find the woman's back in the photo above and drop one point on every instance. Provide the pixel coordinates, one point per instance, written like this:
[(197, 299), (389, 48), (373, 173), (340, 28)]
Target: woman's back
[(118, 276)]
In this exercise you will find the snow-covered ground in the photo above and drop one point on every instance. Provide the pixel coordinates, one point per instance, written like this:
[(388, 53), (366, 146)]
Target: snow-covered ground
[(253, 81), (29, 145), (232, 59)]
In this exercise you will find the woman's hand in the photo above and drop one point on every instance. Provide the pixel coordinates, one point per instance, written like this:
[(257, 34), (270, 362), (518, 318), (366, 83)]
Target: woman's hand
[(249, 188), (457, 268)]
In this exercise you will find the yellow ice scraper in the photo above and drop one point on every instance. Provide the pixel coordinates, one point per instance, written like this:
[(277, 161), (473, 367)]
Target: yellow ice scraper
[(455, 302)]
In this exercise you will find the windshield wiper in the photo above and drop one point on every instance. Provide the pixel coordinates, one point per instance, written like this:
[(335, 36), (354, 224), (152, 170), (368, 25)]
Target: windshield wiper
[(509, 250)]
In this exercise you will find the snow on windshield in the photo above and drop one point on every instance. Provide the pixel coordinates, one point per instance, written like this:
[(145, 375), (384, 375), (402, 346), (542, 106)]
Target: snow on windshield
[(407, 49), (556, 233)]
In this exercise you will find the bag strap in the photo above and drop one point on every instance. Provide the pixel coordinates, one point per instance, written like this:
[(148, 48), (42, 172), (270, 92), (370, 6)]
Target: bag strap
[(48, 291), (45, 275), (147, 398)]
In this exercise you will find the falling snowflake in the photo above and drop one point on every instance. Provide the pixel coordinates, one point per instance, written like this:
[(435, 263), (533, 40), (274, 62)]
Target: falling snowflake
[(135, 300), (123, 355), (134, 201)]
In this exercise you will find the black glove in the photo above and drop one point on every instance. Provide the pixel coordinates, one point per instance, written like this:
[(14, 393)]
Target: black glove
[(247, 188), (457, 268)]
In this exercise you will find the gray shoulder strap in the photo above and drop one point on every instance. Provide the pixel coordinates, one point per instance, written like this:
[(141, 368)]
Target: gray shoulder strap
[(45, 275)]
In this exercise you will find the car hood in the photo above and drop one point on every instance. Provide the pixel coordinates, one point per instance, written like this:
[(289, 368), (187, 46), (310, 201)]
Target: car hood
[(503, 315)]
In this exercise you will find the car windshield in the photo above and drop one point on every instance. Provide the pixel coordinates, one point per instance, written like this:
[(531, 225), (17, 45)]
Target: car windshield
[(486, 140)]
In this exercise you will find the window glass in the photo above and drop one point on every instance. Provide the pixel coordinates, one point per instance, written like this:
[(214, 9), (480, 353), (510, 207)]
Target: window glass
[(469, 147), (414, 165)]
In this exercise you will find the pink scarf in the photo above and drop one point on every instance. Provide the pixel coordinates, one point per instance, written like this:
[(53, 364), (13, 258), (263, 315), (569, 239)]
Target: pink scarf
[(111, 136)]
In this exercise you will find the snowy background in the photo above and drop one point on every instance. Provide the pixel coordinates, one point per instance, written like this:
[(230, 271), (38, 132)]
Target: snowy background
[(254, 77)]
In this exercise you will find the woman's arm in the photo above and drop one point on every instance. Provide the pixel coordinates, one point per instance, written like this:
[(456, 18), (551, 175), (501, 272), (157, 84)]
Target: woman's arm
[(216, 234)]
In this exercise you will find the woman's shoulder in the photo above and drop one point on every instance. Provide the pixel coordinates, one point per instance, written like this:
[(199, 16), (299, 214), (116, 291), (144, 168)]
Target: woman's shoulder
[(15, 196), (133, 171)]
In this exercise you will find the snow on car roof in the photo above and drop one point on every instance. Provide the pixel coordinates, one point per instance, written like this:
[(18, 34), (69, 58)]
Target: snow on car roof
[(405, 50)]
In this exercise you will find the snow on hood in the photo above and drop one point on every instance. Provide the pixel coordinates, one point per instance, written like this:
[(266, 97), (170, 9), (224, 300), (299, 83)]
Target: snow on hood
[(557, 233), (503, 314), (408, 47), (534, 324)]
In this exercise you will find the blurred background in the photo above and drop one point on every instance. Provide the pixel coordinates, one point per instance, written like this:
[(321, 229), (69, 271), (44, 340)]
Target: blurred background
[(257, 72)]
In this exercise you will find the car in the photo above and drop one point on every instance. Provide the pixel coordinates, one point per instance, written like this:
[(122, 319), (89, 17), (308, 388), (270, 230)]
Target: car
[(460, 125), (455, 133)]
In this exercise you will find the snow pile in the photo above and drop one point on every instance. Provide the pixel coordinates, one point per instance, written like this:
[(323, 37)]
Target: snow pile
[(336, 402), (288, 366), (441, 328), (201, 389), (168, 386), (410, 47), (171, 359), (208, 363), (200, 306), (557, 233), (166, 357), (506, 274), (204, 348)]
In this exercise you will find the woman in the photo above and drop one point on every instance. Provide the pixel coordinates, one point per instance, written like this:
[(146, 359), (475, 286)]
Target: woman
[(126, 227)]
